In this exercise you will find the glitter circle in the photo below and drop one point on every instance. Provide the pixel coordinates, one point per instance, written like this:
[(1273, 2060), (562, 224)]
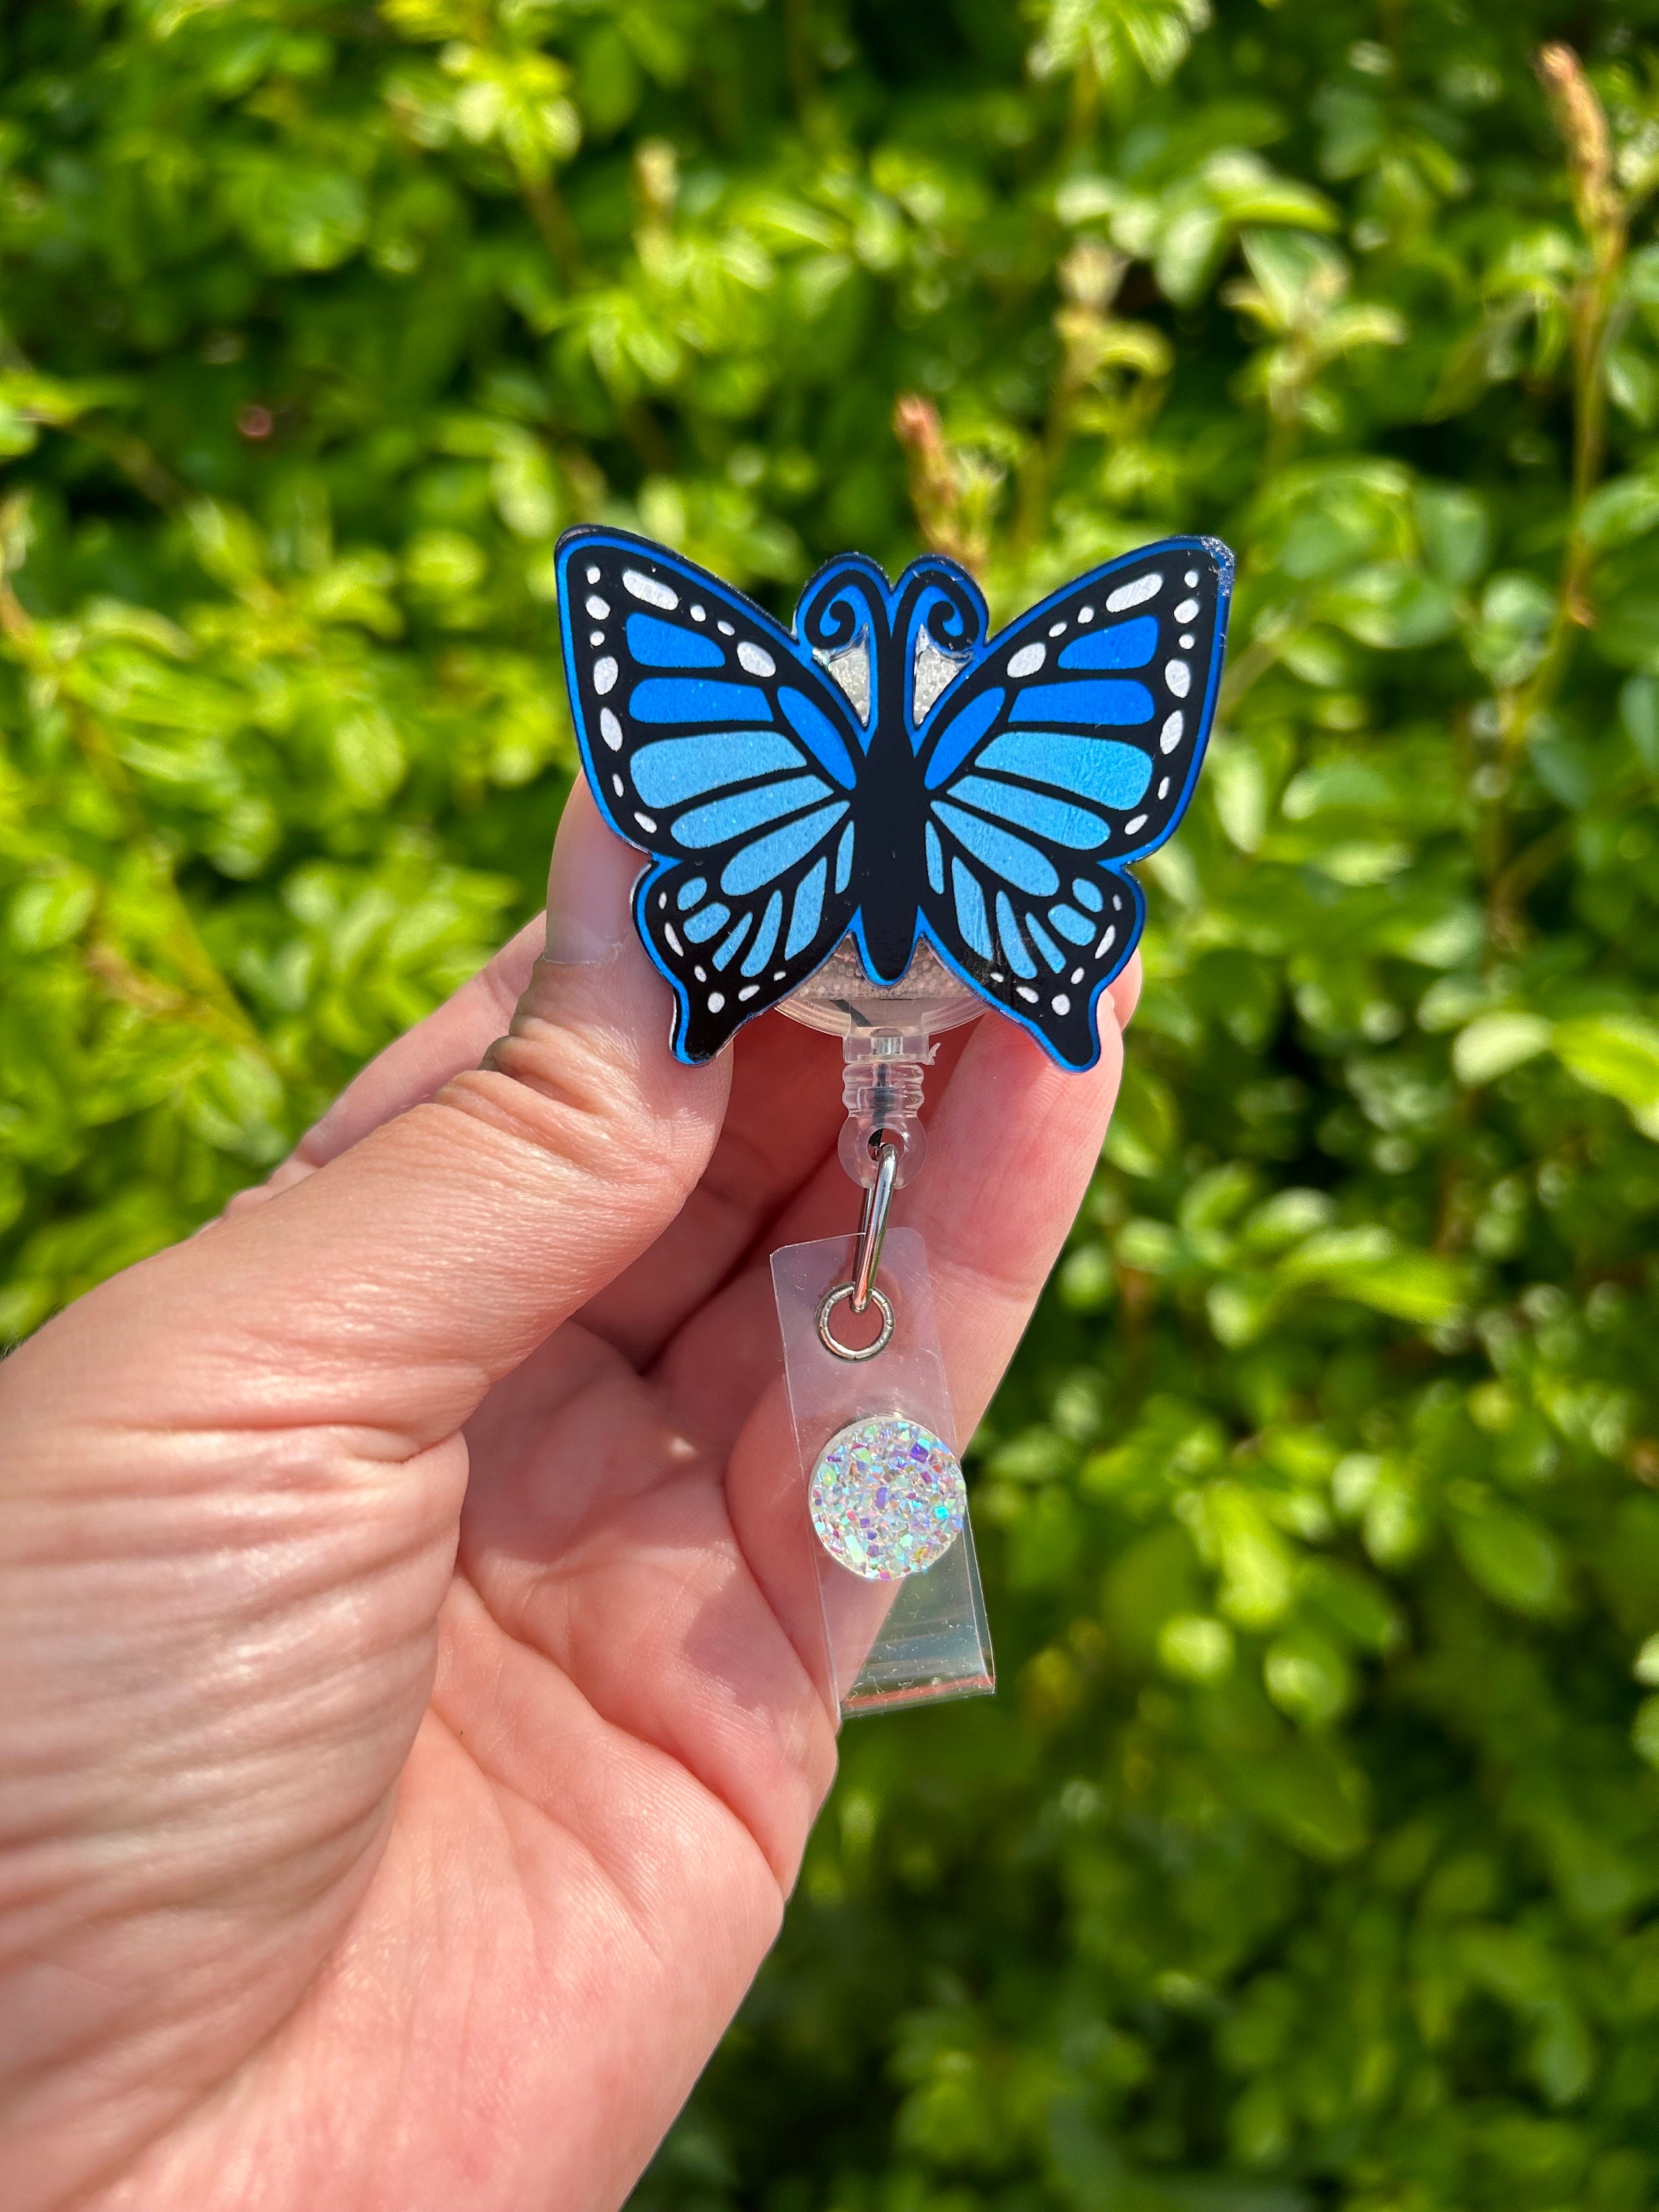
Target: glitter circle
[(887, 1498)]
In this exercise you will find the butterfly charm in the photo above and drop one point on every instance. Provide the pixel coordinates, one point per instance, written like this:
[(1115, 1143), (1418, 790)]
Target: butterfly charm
[(886, 773)]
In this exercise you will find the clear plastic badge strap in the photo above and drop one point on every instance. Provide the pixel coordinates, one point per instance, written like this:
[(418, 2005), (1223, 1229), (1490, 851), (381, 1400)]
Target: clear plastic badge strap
[(886, 1510), (903, 1615)]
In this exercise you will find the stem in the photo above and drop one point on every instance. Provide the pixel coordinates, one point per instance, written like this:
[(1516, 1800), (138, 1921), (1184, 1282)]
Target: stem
[(135, 459), (1603, 219), (650, 441), (148, 995), (1511, 882), (552, 217), (135, 462), (1248, 667), (1085, 105), (935, 483), (1042, 464), (801, 58), (1280, 446)]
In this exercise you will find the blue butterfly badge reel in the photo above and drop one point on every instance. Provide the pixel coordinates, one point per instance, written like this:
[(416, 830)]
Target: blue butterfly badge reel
[(885, 822)]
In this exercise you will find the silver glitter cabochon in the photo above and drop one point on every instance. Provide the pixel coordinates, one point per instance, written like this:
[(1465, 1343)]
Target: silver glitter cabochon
[(887, 1498)]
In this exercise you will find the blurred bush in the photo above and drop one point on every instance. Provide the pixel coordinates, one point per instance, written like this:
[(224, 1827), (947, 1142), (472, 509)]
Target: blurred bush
[(1311, 1855)]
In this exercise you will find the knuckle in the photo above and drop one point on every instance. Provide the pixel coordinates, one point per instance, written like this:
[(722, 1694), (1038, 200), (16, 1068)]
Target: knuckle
[(579, 1095)]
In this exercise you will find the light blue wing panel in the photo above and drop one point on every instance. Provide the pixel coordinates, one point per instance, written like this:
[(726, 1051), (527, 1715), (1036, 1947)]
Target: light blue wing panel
[(712, 741), (1068, 749)]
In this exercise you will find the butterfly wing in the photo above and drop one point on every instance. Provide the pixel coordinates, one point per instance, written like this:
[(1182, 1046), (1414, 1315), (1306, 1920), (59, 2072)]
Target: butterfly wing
[(712, 740), (1068, 749)]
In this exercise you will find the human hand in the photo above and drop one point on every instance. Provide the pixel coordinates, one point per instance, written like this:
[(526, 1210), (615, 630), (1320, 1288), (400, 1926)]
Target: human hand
[(405, 1752)]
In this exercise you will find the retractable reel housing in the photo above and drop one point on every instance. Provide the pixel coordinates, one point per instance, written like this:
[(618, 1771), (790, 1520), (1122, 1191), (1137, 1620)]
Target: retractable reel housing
[(886, 823)]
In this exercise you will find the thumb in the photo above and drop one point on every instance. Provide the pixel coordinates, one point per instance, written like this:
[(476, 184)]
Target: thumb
[(395, 1283)]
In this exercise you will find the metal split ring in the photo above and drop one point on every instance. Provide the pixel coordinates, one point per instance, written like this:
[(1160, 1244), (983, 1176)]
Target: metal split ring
[(827, 1337)]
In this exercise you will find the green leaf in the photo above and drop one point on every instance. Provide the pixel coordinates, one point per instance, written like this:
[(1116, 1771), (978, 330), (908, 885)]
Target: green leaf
[(1639, 710), (1152, 1247), (1307, 1677), (1195, 1648), (1625, 509), (444, 562), (1510, 640), (1307, 1793), (1391, 607), (1644, 1730), (295, 215), (1618, 1055), (1633, 384), (1514, 1559), (52, 910), (1495, 1043), (1113, 36), (1144, 1126), (1370, 1266), (1253, 1561), (1456, 532)]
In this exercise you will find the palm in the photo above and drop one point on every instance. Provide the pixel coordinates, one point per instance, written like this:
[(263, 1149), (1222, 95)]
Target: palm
[(483, 1972)]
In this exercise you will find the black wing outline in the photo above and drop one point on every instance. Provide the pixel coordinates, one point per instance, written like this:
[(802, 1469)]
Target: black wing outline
[(713, 742), (1068, 748)]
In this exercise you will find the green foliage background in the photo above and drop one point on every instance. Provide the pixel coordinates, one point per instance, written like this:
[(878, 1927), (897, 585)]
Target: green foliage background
[(1310, 1856)]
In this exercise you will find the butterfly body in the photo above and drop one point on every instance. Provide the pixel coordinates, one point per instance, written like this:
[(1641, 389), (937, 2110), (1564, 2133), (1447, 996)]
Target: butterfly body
[(886, 773), (888, 842)]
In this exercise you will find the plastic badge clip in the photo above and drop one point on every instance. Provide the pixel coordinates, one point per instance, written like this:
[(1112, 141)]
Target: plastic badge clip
[(886, 821)]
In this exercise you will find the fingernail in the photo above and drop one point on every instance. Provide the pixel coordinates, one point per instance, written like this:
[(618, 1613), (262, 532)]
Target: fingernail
[(589, 887)]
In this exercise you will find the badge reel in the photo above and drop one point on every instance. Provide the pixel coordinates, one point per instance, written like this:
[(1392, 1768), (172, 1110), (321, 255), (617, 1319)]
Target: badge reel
[(886, 824)]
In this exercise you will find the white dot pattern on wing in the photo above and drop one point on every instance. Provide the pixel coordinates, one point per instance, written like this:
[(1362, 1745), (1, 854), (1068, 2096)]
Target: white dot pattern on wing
[(647, 588), (1135, 594)]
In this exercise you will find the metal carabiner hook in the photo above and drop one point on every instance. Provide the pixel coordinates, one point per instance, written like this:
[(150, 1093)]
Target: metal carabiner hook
[(872, 1222)]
